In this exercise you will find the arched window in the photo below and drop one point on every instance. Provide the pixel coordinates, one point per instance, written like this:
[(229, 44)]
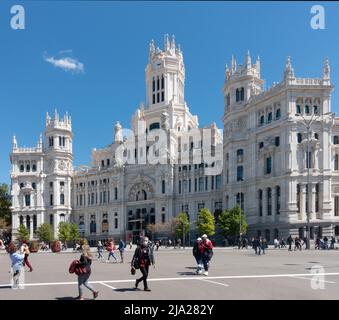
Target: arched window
[(277, 114), (162, 82), (27, 200), (336, 162), (335, 140), (315, 110), (267, 235), (276, 233), (299, 137), (93, 225), (154, 125), (62, 217), (62, 199), (262, 120), (28, 168), (269, 117), (21, 220), (240, 200), (34, 185), (153, 84), (22, 168), (104, 224), (237, 95), (141, 195), (158, 83), (298, 109), (34, 167), (242, 94), (21, 185), (307, 109), (298, 197)]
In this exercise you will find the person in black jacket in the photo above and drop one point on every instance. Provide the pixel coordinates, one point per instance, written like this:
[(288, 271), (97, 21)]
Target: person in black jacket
[(143, 257), (85, 263), (197, 255)]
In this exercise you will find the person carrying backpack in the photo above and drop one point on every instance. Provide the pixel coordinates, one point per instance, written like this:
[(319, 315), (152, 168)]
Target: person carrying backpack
[(197, 255)]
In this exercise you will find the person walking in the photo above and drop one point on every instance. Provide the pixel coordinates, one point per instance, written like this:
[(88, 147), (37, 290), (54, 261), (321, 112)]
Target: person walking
[(197, 255), (100, 250), (25, 250), (290, 242), (17, 260), (143, 257), (332, 242), (111, 249), (121, 249), (263, 244), (325, 243), (255, 245), (206, 249), (85, 263)]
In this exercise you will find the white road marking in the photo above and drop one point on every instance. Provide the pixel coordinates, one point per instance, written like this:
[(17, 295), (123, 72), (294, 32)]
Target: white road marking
[(284, 275), (104, 284), (222, 284), (309, 279)]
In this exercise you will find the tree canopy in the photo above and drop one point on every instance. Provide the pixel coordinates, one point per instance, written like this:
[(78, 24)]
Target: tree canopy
[(229, 221), (205, 222)]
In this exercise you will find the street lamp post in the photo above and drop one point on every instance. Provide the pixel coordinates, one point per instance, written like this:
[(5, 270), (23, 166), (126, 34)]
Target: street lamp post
[(308, 124), (241, 179)]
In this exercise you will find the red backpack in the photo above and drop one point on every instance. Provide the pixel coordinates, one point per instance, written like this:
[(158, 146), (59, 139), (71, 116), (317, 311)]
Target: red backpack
[(76, 268)]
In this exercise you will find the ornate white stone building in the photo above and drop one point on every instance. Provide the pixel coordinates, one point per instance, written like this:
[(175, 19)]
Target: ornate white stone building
[(264, 154)]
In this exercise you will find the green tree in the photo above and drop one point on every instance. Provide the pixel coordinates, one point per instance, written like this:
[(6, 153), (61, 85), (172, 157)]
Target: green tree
[(74, 232), (182, 225), (23, 233), (5, 206), (45, 232), (229, 221), (205, 222), (64, 231)]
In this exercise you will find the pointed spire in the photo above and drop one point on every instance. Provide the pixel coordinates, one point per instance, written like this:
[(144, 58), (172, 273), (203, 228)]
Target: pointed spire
[(326, 70), (56, 115), (40, 141), (167, 43), (257, 64), (289, 71), (227, 72), (14, 143), (248, 60), (173, 43), (151, 48), (48, 119), (233, 65)]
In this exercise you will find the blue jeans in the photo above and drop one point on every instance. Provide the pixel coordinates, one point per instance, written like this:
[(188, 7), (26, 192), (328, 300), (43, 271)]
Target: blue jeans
[(205, 261), (83, 281), (111, 254), (199, 262), (100, 254)]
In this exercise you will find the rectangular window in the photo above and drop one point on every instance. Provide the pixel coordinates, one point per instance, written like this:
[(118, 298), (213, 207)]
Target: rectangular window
[(336, 206), (206, 183), (153, 99), (195, 184), (158, 97), (163, 186), (179, 186), (51, 199), (212, 182), (115, 193), (298, 197), (27, 200), (240, 173), (308, 159), (260, 203), (317, 197), (162, 95), (189, 185), (218, 182), (163, 218), (116, 223), (201, 184), (268, 165)]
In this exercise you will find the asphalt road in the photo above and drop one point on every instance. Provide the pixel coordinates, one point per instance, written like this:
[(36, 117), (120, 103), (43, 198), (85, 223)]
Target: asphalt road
[(234, 274)]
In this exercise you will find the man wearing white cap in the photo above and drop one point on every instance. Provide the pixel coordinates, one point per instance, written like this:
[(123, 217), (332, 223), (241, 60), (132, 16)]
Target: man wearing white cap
[(207, 252), (197, 254)]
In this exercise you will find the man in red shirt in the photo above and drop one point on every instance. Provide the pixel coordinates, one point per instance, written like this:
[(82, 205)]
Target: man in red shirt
[(206, 249)]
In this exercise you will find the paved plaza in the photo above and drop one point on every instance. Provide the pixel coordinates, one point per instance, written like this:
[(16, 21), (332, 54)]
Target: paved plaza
[(234, 274)]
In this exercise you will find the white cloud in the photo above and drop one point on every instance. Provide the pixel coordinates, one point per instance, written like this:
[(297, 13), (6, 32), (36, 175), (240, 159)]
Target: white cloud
[(67, 64)]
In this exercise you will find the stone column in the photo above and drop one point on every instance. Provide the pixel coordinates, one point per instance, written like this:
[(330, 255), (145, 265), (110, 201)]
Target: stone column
[(31, 227), (302, 201), (274, 204), (313, 200), (264, 204)]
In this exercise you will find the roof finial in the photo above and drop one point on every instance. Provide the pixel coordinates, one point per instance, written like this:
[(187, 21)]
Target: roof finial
[(167, 43), (173, 43), (248, 60), (14, 143), (289, 71), (151, 48), (326, 70)]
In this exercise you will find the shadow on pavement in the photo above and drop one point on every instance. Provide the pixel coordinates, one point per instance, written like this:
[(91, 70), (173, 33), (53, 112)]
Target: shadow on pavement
[(126, 289), (66, 298), (186, 273)]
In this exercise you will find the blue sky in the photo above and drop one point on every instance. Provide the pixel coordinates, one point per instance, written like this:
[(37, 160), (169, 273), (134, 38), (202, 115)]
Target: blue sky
[(111, 40)]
